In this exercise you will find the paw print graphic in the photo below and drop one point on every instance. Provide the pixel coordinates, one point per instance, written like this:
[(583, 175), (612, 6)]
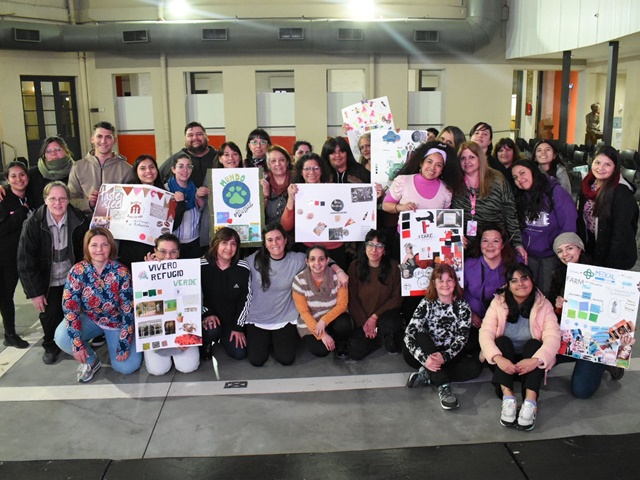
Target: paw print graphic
[(236, 195)]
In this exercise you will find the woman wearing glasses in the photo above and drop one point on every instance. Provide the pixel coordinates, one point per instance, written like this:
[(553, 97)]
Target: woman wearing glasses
[(374, 299), (194, 199), (50, 244), (257, 144), (54, 163), (519, 337)]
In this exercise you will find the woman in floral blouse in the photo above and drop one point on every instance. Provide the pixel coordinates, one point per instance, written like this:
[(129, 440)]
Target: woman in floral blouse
[(98, 299)]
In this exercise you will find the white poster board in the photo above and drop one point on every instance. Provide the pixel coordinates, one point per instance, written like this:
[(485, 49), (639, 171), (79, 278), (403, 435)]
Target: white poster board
[(429, 237), (390, 150), (167, 304), (238, 202), (366, 116), (599, 316), (140, 213), (329, 212)]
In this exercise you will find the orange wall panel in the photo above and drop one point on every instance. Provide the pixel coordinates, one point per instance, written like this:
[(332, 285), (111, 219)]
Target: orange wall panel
[(132, 146), (573, 106)]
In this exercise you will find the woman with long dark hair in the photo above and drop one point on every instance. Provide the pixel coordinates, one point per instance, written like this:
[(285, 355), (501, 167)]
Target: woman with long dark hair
[(548, 160), (452, 135), (258, 142), (344, 167)]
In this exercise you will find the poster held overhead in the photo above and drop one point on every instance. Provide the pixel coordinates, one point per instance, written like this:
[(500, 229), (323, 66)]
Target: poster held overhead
[(364, 117)]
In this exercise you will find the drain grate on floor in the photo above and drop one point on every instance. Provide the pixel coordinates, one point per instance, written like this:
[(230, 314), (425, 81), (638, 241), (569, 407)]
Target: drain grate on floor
[(235, 384)]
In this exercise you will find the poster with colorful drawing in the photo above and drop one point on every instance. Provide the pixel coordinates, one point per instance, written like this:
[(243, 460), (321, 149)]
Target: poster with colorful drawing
[(429, 237), (599, 314), (334, 212), (134, 212), (390, 150), (167, 305), (364, 117), (238, 202)]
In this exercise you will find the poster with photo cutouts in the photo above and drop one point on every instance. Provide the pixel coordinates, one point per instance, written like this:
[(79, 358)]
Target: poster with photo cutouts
[(238, 203), (332, 212), (390, 150), (599, 314), (140, 213), (366, 116), (167, 304), (429, 237)]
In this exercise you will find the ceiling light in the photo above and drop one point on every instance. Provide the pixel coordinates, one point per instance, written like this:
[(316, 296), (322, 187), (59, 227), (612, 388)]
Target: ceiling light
[(178, 8), (362, 9)]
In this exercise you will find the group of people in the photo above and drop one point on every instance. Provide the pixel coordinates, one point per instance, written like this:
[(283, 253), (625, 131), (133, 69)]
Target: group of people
[(521, 228)]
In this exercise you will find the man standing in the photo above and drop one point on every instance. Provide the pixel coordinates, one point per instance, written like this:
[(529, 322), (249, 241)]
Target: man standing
[(196, 145), (101, 165)]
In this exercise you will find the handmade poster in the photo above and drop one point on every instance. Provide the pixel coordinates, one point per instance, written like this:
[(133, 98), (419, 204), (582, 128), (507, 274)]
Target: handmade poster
[(238, 202), (390, 150), (599, 314), (429, 237), (134, 212), (167, 304), (332, 212), (366, 116)]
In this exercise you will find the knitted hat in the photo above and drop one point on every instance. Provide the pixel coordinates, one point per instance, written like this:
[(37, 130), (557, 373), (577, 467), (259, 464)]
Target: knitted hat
[(568, 237)]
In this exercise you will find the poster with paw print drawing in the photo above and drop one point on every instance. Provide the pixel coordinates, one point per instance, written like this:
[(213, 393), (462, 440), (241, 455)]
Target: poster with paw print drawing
[(390, 150), (599, 314), (429, 237), (366, 116), (238, 202), (329, 212)]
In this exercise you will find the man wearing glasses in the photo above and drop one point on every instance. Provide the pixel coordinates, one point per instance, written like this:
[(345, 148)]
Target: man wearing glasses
[(101, 165), (196, 145)]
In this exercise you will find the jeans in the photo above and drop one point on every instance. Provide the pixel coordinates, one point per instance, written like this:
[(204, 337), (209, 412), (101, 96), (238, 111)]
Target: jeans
[(586, 376), (91, 330)]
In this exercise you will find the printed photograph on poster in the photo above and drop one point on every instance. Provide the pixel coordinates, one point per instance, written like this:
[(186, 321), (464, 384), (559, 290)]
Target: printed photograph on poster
[(364, 117), (390, 150), (599, 314), (238, 202), (334, 212), (167, 304), (429, 237), (140, 213)]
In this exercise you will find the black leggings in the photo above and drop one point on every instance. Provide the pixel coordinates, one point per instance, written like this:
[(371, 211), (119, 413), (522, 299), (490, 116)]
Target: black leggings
[(339, 329), (8, 283), (531, 380), (390, 323), (283, 340), (52, 317)]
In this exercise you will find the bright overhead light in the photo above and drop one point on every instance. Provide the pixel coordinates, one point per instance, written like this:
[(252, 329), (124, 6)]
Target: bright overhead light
[(178, 8), (362, 9)]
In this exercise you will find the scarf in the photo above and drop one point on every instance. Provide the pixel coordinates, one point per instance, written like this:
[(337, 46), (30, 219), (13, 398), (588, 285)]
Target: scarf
[(189, 192), (277, 190), (586, 186), (55, 169)]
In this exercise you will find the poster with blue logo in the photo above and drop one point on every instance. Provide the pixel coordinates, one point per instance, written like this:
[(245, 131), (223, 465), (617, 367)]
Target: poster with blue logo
[(390, 150), (599, 314), (238, 203)]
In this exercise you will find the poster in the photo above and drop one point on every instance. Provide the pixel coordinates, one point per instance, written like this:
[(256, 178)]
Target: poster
[(366, 116), (167, 304), (390, 150), (599, 314), (238, 202), (428, 237), (140, 213), (332, 212)]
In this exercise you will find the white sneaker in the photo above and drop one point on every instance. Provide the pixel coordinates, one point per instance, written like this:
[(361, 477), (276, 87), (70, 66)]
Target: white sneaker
[(527, 417), (508, 414), (86, 371)]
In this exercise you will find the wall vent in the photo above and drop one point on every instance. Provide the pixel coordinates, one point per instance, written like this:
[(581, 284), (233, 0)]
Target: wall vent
[(214, 34), (291, 34), (135, 36), (350, 34), (426, 36), (24, 35)]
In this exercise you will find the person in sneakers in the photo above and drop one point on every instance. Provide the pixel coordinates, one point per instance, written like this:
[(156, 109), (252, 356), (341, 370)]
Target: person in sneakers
[(324, 323), (519, 337), (374, 299), (436, 335), (98, 298)]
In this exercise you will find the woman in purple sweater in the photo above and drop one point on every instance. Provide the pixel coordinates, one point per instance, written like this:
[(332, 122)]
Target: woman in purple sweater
[(545, 210)]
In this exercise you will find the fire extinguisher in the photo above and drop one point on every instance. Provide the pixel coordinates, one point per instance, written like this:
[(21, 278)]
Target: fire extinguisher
[(528, 109)]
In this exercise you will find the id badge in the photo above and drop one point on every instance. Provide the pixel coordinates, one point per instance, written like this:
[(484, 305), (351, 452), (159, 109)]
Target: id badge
[(472, 228)]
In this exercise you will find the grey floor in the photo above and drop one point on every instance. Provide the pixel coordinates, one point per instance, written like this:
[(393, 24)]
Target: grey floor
[(286, 422)]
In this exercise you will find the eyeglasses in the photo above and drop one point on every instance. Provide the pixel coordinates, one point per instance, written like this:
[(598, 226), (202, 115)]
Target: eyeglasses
[(311, 169), (57, 200), (53, 150), (262, 143), (182, 167), (374, 245), (522, 279), (164, 252)]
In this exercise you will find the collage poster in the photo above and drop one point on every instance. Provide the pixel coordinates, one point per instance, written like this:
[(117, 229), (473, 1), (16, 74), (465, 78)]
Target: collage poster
[(334, 212), (167, 304), (238, 202), (140, 213), (364, 117), (599, 314), (390, 150), (429, 237)]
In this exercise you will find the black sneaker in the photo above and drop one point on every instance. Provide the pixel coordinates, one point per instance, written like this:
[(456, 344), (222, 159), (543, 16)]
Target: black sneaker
[(341, 354), (391, 345), (13, 340), (50, 357), (448, 400), (616, 372), (419, 378), (98, 341)]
